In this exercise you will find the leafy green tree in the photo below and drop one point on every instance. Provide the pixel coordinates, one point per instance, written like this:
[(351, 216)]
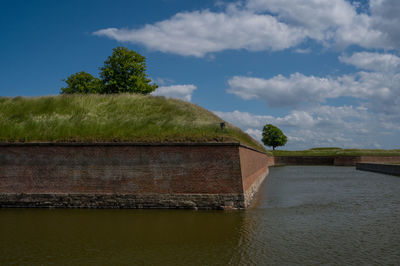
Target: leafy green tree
[(81, 82), (273, 136), (124, 71)]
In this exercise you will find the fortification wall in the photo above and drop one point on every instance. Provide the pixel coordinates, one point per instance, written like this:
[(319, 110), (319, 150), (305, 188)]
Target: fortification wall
[(380, 159), (390, 169), (333, 160), (127, 175), (254, 169), (303, 160)]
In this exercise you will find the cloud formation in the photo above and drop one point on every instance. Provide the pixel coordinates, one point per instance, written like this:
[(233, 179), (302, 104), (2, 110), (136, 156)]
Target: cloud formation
[(385, 18), (373, 61), (183, 92), (271, 25), (374, 122), (344, 126), (200, 32), (379, 90), (326, 21)]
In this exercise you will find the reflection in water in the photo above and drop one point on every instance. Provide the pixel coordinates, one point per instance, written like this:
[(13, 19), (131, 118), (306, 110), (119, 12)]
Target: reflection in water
[(118, 236), (302, 215)]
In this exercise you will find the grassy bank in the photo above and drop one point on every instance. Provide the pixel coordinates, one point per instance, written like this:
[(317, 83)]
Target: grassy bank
[(337, 152), (112, 118)]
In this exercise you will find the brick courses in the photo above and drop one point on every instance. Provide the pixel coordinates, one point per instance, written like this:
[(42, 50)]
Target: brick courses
[(191, 175)]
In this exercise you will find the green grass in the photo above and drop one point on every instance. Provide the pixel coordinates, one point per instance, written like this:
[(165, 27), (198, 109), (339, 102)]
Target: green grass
[(112, 118), (337, 152)]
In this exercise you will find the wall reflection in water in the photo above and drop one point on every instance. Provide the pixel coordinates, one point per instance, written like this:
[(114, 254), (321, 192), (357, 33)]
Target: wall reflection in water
[(302, 215)]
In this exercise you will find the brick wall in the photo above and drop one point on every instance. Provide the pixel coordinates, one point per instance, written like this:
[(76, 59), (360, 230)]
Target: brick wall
[(254, 168), (333, 160), (179, 171), (390, 169), (304, 160), (380, 159)]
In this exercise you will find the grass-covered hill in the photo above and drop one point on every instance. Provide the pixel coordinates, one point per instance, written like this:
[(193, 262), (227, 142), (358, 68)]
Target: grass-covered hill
[(337, 152), (112, 118)]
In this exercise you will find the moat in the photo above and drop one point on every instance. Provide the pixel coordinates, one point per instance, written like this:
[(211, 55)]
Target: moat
[(301, 215)]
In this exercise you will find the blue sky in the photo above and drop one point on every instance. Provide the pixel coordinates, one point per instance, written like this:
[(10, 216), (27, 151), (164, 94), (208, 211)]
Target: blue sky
[(327, 72)]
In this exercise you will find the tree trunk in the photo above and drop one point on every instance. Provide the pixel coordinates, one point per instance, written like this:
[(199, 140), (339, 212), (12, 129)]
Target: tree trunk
[(273, 148)]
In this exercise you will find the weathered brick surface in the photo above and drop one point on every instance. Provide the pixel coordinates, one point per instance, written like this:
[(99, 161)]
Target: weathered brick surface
[(126, 201), (254, 167), (132, 175)]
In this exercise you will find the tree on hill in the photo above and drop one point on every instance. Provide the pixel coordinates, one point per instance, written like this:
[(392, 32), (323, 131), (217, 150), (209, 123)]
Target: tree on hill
[(273, 136), (81, 82), (124, 71)]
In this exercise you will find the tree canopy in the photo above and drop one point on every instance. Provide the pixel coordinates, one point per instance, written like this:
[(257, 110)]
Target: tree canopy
[(81, 82), (273, 136), (123, 72)]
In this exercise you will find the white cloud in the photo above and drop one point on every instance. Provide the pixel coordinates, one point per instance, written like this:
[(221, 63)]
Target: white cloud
[(200, 32), (385, 18), (281, 91), (273, 25), (373, 61), (244, 119), (344, 126), (382, 90), (183, 92), (303, 51), (327, 21), (255, 133), (315, 15)]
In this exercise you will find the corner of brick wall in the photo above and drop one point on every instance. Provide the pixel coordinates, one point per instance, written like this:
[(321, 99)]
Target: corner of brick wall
[(145, 175), (254, 168)]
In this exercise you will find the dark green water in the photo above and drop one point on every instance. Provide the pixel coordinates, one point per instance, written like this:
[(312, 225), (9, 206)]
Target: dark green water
[(302, 215)]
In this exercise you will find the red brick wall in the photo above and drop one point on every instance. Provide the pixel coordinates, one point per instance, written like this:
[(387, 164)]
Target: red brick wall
[(304, 160), (380, 159), (346, 160), (121, 169), (253, 165)]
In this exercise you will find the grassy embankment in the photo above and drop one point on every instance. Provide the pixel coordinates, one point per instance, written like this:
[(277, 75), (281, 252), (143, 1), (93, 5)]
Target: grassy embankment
[(337, 152), (112, 118)]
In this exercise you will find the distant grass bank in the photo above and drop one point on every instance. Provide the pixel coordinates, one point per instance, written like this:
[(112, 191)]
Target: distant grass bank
[(112, 118), (337, 152)]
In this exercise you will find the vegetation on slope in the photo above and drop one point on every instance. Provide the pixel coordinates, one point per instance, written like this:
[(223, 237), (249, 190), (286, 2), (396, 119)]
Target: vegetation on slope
[(338, 152), (112, 118)]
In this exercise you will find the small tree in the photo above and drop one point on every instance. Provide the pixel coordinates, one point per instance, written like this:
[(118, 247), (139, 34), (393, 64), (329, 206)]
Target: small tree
[(124, 71), (273, 136), (81, 82)]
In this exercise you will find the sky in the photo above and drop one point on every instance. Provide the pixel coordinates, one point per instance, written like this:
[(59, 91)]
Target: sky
[(326, 72)]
